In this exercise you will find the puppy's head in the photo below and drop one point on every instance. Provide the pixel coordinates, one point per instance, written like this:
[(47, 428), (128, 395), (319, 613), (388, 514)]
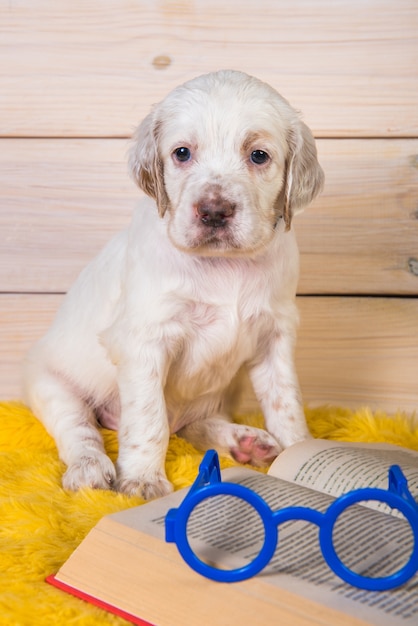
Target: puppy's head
[(227, 159)]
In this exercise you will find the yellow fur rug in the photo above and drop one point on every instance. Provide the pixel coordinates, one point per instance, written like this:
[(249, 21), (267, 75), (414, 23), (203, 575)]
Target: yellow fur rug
[(41, 524)]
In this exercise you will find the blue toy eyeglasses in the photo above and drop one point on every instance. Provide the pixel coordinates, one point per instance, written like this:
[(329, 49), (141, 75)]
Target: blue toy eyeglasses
[(209, 483)]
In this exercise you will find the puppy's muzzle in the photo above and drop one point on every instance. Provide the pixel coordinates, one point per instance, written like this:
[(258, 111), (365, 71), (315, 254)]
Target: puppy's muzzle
[(215, 212)]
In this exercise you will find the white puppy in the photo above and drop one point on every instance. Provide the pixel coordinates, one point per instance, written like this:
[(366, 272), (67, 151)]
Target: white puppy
[(151, 338)]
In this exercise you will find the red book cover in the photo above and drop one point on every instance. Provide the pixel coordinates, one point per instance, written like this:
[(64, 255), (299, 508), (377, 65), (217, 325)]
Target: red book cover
[(92, 600)]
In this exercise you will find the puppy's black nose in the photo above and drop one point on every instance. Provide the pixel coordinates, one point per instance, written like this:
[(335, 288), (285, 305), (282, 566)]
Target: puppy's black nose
[(215, 212)]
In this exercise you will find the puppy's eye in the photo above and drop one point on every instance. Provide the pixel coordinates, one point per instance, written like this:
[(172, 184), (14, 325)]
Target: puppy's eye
[(259, 157), (182, 154)]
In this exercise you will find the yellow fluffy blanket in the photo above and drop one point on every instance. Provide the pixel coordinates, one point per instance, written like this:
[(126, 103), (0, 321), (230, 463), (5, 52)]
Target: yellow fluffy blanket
[(41, 524)]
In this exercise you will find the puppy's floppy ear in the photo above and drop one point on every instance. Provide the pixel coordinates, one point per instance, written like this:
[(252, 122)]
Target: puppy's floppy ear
[(304, 176), (145, 164)]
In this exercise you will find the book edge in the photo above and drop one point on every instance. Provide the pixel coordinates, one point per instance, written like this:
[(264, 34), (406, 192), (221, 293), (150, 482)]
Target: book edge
[(110, 608)]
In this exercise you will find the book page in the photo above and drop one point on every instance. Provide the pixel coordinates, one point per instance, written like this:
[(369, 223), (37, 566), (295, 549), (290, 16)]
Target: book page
[(335, 467), (224, 532)]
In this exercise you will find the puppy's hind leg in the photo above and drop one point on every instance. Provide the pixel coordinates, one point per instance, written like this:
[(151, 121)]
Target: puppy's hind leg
[(71, 422), (245, 444)]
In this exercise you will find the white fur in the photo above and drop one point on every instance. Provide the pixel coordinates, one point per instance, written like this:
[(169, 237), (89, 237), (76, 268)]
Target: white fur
[(152, 337)]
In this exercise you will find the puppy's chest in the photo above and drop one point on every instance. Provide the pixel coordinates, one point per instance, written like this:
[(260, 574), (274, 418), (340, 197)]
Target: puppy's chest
[(217, 341)]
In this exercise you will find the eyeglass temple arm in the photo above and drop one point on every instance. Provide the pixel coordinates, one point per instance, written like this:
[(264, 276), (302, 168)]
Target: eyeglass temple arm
[(209, 471), (209, 474), (398, 483)]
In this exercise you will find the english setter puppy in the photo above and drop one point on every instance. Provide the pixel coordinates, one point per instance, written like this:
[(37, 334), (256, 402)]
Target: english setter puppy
[(153, 336)]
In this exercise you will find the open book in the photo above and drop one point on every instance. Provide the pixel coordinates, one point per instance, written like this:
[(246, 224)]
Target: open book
[(125, 566)]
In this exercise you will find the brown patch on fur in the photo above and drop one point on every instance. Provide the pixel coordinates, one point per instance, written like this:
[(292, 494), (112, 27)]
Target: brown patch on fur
[(254, 139), (277, 404)]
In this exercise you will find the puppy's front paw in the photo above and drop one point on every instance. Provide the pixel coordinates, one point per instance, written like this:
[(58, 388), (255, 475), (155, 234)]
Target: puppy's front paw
[(97, 472), (254, 446), (147, 488)]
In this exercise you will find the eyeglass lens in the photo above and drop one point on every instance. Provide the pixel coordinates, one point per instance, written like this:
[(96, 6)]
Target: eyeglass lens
[(225, 531)]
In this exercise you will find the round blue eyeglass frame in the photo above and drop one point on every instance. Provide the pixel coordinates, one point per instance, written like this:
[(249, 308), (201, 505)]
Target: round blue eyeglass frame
[(209, 483)]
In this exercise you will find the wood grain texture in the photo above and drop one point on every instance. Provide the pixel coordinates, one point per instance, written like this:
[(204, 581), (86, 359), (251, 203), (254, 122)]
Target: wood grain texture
[(351, 351), (361, 235), (359, 351), (94, 68), (61, 201)]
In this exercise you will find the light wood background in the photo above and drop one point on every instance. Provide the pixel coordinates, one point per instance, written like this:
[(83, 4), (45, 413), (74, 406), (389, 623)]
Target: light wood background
[(76, 76)]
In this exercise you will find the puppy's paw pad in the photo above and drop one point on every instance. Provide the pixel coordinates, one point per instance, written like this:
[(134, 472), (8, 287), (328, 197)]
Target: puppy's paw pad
[(146, 489), (257, 448), (96, 472)]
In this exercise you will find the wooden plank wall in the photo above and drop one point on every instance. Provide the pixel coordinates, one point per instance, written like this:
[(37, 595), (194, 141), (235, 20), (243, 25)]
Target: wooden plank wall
[(76, 77)]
